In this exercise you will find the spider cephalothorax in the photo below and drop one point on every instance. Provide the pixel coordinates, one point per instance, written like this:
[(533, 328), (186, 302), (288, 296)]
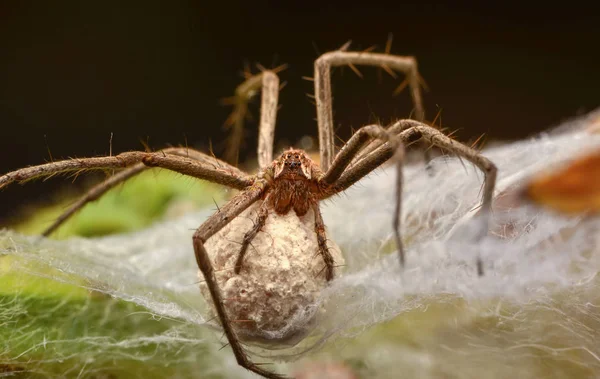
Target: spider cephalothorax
[(291, 182)]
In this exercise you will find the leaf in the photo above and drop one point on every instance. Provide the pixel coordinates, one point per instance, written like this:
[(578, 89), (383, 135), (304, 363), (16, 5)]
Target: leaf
[(572, 189)]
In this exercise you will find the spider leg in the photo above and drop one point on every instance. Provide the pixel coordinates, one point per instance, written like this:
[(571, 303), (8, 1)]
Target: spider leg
[(211, 226), (182, 165), (269, 82), (270, 91), (263, 213), (100, 189), (323, 94), (352, 148), (435, 137), (409, 130), (395, 129), (345, 157), (322, 241)]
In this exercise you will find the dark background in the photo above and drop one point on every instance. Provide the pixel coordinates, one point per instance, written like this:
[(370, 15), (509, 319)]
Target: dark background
[(73, 72)]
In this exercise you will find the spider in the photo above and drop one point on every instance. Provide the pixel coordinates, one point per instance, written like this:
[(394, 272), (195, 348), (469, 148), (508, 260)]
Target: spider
[(290, 183)]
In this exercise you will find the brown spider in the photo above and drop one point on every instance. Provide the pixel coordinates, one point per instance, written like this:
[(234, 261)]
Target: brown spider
[(290, 182)]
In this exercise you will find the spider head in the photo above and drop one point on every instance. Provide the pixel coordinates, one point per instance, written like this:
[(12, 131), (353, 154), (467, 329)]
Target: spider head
[(293, 164)]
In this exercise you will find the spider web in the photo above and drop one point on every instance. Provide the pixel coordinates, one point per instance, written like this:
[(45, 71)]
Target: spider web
[(137, 312)]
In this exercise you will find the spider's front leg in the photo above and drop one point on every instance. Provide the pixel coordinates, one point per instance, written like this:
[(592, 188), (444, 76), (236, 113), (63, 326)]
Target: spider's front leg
[(180, 164), (489, 170), (268, 82), (336, 178), (100, 189), (410, 130), (211, 226)]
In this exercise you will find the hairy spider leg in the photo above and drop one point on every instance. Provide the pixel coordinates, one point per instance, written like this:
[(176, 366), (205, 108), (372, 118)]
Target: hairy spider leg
[(101, 188), (409, 130), (211, 226), (363, 136), (323, 93), (267, 80), (182, 165)]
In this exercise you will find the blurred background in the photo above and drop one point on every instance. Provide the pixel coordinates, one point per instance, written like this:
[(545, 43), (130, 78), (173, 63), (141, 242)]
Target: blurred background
[(72, 73)]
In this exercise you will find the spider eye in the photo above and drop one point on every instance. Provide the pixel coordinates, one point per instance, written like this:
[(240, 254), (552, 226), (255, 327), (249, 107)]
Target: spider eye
[(297, 156)]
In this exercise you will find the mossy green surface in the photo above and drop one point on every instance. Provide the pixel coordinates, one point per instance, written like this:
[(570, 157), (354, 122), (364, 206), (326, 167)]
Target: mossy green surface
[(54, 329), (50, 328)]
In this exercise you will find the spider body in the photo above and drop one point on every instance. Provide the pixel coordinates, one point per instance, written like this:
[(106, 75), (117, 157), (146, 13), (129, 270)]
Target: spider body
[(290, 183), (293, 181)]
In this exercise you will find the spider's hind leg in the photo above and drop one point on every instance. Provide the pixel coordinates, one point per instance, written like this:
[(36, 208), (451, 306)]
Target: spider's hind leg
[(323, 93), (263, 213), (268, 82)]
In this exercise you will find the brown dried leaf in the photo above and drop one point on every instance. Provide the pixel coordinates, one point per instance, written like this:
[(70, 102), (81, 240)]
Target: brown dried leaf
[(572, 189)]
